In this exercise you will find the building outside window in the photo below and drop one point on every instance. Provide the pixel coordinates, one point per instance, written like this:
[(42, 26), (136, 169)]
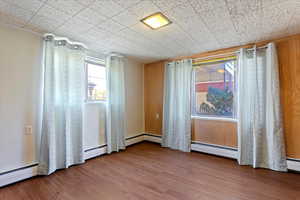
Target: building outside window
[(214, 88), (96, 81)]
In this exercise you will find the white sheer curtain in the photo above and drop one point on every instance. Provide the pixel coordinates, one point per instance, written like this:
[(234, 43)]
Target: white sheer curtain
[(260, 130), (177, 108), (115, 118), (62, 138)]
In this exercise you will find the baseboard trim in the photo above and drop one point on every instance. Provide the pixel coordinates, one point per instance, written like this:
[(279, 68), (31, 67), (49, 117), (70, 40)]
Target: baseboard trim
[(94, 152), (293, 164), (228, 152), (135, 139), (16, 175), (29, 171), (152, 138), (214, 149)]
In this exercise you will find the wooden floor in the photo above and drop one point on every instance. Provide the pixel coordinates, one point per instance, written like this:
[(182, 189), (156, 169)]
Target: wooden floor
[(147, 171)]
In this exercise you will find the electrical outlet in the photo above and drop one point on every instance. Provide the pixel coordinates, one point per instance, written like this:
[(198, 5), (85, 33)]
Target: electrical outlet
[(157, 116), (28, 130)]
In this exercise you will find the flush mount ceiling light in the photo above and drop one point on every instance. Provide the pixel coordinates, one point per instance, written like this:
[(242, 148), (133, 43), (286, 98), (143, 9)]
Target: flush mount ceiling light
[(156, 21)]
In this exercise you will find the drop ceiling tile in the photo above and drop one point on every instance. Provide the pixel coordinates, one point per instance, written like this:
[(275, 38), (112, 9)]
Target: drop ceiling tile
[(174, 32), (197, 29), (170, 44), (91, 16), (85, 2), (35, 29), (74, 36), (77, 25), (267, 3), (128, 3), (16, 11), (52, 13), (107, 7), (198, 25), (241, 8), (215, 15), (144, 9), (126, 18), (69, 6), (44, 24), (181, 13), (168, 4), (95, 34), (11, 20), (294, 26), (276, 18), (204, 47), (133, 36), (111, 25), (211, 12), (147, 32), (246, 16), (102, 42), (31, 5)]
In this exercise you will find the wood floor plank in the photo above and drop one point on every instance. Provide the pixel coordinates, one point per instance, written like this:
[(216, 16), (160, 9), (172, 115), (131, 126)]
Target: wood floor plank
[(147, 171)]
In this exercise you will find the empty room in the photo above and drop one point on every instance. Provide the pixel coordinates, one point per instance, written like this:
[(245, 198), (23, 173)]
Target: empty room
[(150, 100)]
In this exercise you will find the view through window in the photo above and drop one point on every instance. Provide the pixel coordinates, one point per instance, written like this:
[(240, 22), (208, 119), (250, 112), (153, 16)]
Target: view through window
[(96, 82), (214, 88)]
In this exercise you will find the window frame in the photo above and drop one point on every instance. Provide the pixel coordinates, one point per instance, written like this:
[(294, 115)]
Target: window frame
[(100, 63), (193, 90)]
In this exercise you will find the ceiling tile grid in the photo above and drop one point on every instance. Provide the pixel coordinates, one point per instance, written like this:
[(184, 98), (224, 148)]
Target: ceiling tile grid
[(126, 18), (30, 5), (71, 7), (294, 26), (111, 26), (246, 17), (276, 19), (91, 16), (14, 10), (197, 25), (165, 5), (127, 3), (143, 9), (11, 20), (76, 25), (107, 8), (44, 24), (217, 19)]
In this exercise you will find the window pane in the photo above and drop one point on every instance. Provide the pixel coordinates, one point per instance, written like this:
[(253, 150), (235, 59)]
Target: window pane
[(215, 89), (96, 82)]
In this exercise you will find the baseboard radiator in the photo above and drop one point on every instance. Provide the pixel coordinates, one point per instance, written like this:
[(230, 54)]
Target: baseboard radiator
[(29, 171), (16, 175)]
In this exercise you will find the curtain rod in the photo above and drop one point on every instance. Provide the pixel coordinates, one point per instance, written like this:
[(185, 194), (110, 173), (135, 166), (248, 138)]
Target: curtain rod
[(253, 48), (230, 53), (50, 35)]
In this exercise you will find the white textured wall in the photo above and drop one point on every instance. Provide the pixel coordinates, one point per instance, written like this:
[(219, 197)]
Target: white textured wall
[(20, 86), (134, 80), (20, 100)]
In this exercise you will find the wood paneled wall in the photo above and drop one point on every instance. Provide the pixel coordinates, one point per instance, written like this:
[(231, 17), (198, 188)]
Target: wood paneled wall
[(289, 65), (222, 133), (288, 50), (153, 95)]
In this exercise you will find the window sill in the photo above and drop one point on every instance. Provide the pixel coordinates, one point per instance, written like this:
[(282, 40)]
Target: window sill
[(95, 102), (215, 118)]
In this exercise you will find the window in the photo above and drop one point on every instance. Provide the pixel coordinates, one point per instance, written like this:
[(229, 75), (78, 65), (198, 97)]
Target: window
[(96, 81), (214, 88)]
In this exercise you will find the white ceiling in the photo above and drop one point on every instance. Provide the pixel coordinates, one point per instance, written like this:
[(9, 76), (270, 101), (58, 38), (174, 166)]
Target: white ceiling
[(198, 25)]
